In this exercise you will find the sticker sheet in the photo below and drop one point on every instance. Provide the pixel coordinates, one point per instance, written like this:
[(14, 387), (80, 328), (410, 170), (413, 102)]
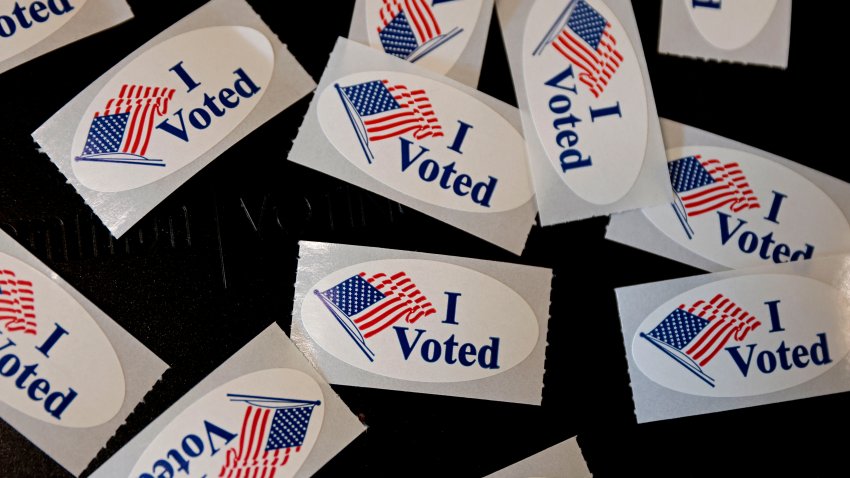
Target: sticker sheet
[(736, 206), (422, 140), (425, 323), (69, 375), (29, 29), (737, 339), (445, 36), (587, 107), (167, 110), (564, 459), (755, 32), (264, 412)]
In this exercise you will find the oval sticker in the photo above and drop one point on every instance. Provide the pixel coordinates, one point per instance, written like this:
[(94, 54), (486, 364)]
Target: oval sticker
[(744, 336), (730, 25), (261, 424), (587, 96), (739, 209), (23, 25), (420, 320), (431, 34), (427, 140), (170, 105), (56, 364)]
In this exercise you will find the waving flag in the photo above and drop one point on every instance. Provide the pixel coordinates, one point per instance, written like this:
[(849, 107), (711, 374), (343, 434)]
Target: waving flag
[(271, 429), (582, 35), (121, 132), (366, 305), (379, 110), (708, 185), (409, 29), (17, 303), (694, 335)]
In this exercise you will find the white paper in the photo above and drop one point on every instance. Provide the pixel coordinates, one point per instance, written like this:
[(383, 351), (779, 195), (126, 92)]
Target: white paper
[(755, 32)]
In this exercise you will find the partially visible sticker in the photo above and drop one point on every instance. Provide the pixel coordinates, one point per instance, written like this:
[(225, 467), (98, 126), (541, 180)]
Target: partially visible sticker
[(420, 320), (265, 412), (561, 460), (56, 365), (427, 140), (730, 24), (743, 336), (69, 375), (752, 31), (739, 209), (24, 24), (585, 87), (264, 423), (432, 34), (170, 105)]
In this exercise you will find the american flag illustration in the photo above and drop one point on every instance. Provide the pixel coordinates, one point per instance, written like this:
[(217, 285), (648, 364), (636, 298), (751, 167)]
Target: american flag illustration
[(272, 429), (708, 185), (365, 305), (386, 110), (694, 335), (17, 303), (121, 132), (582, 35), (405, 25)]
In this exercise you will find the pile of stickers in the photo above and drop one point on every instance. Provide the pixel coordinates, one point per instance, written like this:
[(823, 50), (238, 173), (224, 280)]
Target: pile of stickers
[(396, 113)]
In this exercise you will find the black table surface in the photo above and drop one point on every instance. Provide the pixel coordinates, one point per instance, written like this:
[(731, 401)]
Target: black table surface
[(214, 263)]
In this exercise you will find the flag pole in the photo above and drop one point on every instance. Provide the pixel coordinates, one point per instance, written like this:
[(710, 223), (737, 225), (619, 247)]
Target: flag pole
[(691, 367), (433, 44), (238, 397), (364, 142), (557, 26), (358, 339), (682, 215)]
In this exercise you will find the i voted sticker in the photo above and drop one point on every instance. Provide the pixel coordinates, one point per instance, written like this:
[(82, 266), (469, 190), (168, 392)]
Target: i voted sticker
[(24, 24), (744, 336), (739, 209), (56, 364), (170, 105), (432, 34), (586, 96), (427, 140), (729, 24), (420, 320), (263, 424)]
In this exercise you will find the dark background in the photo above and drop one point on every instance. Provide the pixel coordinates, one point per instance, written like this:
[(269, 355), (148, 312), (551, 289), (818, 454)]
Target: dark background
[(215, 263)]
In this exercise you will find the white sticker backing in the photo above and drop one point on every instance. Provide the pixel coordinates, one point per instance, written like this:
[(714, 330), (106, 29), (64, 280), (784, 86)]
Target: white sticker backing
[(581, 81), (170, 108), (564, 459), (738, 338), (444, 36), (755, 31), (736, 207), (265, 412), (425, 141), (429, 323), (29, 29), (69, 375)]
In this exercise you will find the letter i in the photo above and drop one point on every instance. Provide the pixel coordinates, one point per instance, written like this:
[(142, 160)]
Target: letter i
[(51, 341), (773, 307), (773, 215), (184, 76), (460, 136)]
